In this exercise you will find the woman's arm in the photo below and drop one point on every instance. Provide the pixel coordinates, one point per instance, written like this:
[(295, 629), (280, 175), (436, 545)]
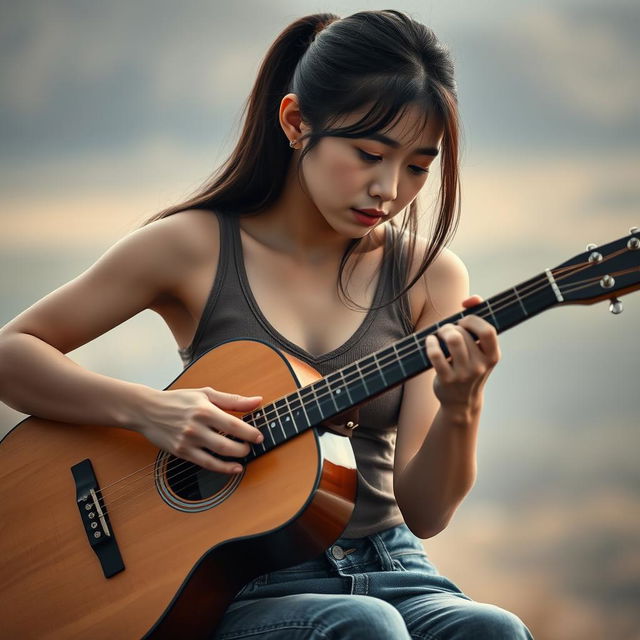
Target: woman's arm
[(435, 459), (37, 378)]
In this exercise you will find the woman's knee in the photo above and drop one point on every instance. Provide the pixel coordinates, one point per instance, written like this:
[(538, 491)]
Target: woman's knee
[(366, 617), (489, 622)]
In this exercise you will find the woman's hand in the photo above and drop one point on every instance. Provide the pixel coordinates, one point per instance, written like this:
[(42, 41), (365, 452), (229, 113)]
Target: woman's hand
[(186, 422), (459, 380)]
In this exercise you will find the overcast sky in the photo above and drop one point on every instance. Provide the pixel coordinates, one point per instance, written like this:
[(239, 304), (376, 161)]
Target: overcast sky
[(110, 111)]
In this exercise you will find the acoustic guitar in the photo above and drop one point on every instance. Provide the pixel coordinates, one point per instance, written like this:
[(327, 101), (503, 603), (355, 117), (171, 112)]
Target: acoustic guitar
[(102, 535)]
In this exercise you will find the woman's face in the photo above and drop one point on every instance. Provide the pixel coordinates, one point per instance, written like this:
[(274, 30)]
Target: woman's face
[(343, 174)]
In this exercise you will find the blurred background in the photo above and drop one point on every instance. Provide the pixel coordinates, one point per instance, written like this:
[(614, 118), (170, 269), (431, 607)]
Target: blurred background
[(112, 111)]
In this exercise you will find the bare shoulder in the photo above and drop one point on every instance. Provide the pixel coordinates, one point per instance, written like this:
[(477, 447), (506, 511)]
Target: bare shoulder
[(163, 252), (186, 237), (442, 287), (138, 270)]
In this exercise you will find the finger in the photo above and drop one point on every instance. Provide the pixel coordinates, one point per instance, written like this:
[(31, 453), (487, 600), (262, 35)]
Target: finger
[(455, 342), (221, 444), (207, 461), (437, 358), (231, 401), (231, 424), (471, 301), (196, 436), (486, 336), (192, 441)]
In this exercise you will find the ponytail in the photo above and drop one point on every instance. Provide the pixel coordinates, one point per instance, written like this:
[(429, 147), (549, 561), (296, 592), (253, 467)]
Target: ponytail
[(337, 66), (253, 175)]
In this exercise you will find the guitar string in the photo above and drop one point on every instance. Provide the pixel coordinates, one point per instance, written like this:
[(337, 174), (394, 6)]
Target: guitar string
[(127, 499), (187, 466), (411, 349), (406, 350), (399, 353), (558, 272), (596, 279)]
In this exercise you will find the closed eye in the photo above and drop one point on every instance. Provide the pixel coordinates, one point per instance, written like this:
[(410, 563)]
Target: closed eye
[(369, 157)]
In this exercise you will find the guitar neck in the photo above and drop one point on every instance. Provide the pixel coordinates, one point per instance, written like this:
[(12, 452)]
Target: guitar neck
[(374, 374)]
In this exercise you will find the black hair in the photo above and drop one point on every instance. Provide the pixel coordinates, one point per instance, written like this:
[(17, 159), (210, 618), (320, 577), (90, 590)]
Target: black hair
[(382, 61)]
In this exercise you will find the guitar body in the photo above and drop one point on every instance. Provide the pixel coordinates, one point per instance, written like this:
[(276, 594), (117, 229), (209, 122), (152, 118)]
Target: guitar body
[(175, 543), (183, 562)]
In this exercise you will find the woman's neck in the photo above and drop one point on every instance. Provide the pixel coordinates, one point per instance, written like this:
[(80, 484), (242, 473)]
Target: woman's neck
[(294, 226)]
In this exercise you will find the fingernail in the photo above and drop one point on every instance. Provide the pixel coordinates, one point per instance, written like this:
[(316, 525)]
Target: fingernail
[(259, 438)]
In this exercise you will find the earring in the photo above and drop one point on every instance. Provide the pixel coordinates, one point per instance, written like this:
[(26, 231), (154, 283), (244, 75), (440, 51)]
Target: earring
[(293, 143)]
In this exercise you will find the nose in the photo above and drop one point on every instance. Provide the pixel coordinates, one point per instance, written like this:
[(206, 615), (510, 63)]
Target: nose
[(385, 184)]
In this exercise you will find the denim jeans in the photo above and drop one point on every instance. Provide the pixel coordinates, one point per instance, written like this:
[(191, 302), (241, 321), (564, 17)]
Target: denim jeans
[(379, 586)]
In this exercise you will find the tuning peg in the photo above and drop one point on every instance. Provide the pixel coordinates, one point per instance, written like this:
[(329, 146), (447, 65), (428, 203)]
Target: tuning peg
[(616, 306), (591, 246), (634, 230)]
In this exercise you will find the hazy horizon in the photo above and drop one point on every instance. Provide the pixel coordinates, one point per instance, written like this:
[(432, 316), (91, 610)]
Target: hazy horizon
[(113, 111)]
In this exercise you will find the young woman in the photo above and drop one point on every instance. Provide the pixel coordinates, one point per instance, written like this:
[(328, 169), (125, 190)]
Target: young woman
[(307, 238)]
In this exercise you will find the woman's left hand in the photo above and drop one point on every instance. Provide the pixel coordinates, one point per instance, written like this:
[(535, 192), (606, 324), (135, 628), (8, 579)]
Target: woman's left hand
[(460, 379)]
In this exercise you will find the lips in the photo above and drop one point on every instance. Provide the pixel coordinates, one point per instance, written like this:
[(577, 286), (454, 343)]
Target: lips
[(365, 219), (374, 213)]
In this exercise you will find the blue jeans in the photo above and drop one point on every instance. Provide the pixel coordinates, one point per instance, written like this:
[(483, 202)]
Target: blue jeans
[(378, 587)]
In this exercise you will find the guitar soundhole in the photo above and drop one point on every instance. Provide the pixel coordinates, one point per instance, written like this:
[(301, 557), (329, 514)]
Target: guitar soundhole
[(188, 487), (191, 482)]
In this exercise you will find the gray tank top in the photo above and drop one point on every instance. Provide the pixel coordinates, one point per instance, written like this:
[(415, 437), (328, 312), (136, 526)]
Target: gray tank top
[(231, 312)]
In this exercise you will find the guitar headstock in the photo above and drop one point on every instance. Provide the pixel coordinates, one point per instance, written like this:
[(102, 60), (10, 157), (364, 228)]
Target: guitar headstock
[(601, 272)]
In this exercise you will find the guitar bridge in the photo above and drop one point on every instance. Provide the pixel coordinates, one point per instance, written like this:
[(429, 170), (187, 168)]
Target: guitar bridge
[(95, 519)]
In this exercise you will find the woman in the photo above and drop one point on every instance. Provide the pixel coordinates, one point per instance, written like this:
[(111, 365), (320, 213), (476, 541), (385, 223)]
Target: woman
[(344, 121)]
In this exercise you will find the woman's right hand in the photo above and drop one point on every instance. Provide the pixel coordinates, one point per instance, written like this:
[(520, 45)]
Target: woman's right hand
[(187, 422)]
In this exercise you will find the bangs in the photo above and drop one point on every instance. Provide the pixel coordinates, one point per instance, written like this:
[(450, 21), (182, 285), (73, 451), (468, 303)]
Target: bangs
[(388, 101)]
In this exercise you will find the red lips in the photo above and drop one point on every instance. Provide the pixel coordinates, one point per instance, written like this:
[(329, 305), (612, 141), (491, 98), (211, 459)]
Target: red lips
[(372, 212)]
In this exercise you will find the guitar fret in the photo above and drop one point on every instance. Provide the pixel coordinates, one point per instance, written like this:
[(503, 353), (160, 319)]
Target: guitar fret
[(278, 421), (524, 309), (418, 342), (279, 418), (326, 400), (300, 411), (302, 407), (364, 382), (493, 315), (346, 385), (258, 414), (289, 416), (332, 395), (392, 367), (380, 369), (314, 397), (269, 431), (399, 359)]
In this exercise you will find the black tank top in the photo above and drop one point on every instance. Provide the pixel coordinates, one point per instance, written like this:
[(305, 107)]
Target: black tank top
[(231, 312)]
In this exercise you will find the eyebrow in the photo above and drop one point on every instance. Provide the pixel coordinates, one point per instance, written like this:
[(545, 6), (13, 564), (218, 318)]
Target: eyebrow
[(380, 137)]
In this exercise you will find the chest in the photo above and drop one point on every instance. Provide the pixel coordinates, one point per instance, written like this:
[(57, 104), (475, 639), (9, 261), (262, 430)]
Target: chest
[(303, 304)]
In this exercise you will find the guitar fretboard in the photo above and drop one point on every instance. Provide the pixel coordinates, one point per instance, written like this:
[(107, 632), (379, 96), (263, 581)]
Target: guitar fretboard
[(378, 372)]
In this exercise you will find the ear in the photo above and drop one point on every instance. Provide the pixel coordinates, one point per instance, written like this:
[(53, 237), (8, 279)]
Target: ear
[(291, 118)]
